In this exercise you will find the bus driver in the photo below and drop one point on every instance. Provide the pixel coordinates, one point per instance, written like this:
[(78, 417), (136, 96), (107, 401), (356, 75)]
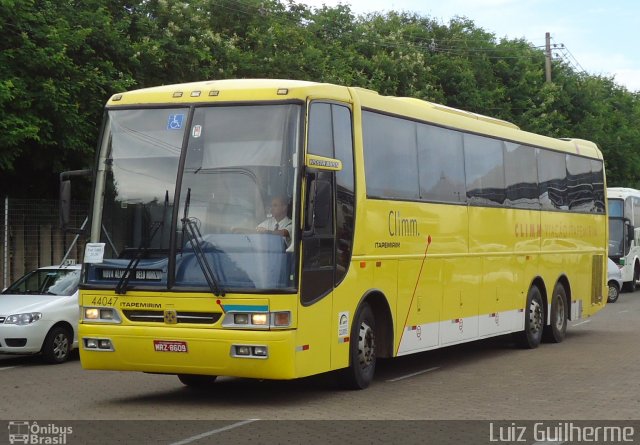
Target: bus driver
[(278, 222)]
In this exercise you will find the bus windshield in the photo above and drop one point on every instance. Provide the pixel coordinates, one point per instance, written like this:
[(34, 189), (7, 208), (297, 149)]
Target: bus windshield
[(616, 207), (198, 198)]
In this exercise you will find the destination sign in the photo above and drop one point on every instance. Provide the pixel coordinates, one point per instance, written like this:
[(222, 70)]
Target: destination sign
[(139, 274)]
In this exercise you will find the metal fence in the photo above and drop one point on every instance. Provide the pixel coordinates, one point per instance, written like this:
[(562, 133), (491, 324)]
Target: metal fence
[(31, 237)]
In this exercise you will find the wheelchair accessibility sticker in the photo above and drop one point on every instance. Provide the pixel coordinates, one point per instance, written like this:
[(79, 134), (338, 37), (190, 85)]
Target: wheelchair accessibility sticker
[(175, 121)]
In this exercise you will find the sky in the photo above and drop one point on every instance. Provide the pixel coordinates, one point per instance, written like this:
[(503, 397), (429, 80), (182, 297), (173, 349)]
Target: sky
[(601, 38)]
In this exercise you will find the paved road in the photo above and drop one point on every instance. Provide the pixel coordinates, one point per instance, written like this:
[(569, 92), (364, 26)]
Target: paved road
[(592, 375)]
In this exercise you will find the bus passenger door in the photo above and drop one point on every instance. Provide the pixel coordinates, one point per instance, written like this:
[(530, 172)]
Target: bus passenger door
[(318, 238), (328, 233), (318, 265)]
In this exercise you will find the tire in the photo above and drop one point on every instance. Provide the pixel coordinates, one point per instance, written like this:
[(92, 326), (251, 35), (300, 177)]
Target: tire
[(531, 336), (362, 351), (556, 331), (197, 381), (614, 292), (56, 347)]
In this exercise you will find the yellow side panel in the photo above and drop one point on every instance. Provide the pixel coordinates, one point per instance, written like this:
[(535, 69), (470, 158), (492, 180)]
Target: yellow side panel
[(313, 348), (346, 297), (421, 304), (461, 280)]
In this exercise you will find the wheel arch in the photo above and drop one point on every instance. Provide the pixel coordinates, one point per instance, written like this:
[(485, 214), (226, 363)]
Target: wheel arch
[(539, 283), (384, 321), (66, 326)]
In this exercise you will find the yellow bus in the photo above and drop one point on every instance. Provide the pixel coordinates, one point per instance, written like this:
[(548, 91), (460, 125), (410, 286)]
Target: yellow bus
[(402, 226)]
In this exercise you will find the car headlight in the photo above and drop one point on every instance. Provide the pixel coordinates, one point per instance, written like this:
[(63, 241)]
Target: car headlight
[(22, 319)]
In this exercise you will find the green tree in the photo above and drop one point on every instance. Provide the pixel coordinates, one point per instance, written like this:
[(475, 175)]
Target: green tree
[(56, 67)]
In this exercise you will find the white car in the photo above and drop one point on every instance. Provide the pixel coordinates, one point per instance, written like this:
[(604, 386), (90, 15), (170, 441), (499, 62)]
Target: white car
[(614, 281), (39, 313)]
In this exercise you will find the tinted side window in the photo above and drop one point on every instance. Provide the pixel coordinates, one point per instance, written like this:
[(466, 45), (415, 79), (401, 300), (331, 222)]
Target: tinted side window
[(320, 130), (552, 177), (343, 142), (345, 196), (484, 169), (441, 164), (390, 156), (597, 173), (521, 176), (579, 185)]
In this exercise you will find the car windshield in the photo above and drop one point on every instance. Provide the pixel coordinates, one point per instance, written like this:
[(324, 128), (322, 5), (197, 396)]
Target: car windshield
[(47, 282)]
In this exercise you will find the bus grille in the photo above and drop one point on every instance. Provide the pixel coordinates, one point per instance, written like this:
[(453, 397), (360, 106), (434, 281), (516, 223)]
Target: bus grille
[(596, 279), (182, 317)]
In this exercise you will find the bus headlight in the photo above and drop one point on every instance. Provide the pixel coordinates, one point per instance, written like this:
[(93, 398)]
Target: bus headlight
[(100, 314), (241, 318), (250, 351), (257, 320), (98, 344), (91, 313)]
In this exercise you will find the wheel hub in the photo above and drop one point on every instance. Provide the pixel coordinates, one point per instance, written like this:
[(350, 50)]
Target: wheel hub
[(366, 345)]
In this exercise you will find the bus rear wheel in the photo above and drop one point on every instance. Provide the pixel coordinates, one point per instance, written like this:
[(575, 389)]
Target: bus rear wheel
[(362, 351), (197, 381), (557, 329), (531, 337)]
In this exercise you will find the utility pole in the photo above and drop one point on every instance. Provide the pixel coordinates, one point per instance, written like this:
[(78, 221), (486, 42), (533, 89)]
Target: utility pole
[(547, 57)]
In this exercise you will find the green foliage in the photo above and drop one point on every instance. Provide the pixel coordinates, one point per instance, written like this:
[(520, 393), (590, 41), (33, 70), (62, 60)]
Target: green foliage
[(60, 61)]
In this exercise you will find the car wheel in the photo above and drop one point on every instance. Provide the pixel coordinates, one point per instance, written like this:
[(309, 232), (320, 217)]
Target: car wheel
[(557, 329), (614, 292), (362, 351), (531, 336), (197, 381), (57, 345)]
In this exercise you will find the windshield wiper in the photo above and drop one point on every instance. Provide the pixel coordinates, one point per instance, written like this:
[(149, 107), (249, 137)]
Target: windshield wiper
[(190, 228), (121, 287)]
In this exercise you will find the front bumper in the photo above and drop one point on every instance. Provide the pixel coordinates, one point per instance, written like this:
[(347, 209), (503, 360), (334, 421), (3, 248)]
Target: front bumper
[(208, 351)]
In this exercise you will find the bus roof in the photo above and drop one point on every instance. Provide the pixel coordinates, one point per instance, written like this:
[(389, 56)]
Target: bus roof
[(239, 90), (621, 192)]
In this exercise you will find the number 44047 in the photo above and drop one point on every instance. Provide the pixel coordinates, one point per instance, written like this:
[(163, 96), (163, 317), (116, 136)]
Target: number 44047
[(104, 301)]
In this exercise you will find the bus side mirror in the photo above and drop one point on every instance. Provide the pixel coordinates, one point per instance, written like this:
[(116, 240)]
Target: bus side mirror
[(318, 212), (65, 198), (630, 233), (322, 207)]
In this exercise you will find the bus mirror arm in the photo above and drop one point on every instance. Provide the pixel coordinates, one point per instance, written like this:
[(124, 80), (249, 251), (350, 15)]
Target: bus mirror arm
[(65, 198)]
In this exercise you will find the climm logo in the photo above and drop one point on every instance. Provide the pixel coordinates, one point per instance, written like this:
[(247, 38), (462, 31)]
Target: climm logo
[(399, 226), (528, 230)]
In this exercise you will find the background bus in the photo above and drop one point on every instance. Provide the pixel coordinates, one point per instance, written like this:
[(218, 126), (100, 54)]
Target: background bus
[(624, 235), (414, 226)]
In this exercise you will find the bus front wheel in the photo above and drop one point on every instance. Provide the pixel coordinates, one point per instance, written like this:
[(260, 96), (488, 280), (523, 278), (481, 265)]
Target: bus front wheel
[(362, 351), (197, 381), (533, 320), (557, 329)]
